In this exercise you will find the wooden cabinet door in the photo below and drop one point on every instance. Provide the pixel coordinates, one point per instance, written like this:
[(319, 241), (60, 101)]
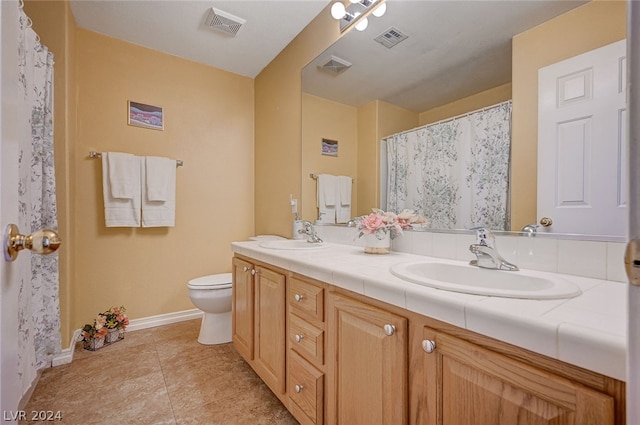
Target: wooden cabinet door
[(270, 332), (242, 308), (366, 365), (469, 385)]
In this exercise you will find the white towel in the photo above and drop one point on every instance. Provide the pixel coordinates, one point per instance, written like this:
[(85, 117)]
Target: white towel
[(159, 213), (161, 172), (123, 173), (344, 189), (326, 198), (343, 205), (122, 212)]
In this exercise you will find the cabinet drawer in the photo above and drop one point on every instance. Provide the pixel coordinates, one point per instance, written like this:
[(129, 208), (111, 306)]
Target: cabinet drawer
[(306, 299), (306, 339), (306, 391)]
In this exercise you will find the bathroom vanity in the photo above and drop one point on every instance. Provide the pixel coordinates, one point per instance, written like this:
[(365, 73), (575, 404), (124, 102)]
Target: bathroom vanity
[(340, 340)]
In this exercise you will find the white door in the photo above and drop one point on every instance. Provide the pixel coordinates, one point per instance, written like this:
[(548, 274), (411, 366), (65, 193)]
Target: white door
[(582, 143), (9, 382)]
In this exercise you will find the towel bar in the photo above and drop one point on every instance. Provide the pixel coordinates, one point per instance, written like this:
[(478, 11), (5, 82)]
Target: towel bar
[(94, 154)]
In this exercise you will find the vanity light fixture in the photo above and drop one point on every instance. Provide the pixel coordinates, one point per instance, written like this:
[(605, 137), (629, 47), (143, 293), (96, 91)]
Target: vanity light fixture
[(353, 14)]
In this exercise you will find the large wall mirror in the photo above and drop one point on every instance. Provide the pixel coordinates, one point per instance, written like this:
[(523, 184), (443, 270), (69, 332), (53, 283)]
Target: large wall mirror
[(457, 57)]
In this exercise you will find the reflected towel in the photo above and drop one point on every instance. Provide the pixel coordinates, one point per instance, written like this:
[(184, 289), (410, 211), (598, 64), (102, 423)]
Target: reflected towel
[(343, 206), (122, 212), (326, 198), (159, 213)]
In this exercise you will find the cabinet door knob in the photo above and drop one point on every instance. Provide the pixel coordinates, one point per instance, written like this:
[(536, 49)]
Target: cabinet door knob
[(298, 297), (429, 346), (254, 272), (246, 269), (299, 337), (389, 329), (298, 387)]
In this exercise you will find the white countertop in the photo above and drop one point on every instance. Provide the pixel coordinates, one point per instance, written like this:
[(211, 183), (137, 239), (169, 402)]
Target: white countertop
[(589, 330)]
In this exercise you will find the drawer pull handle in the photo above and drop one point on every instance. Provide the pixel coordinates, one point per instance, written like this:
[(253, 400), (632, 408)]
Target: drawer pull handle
[(298, 297), (429, 346), (299, 388), (299, 337), (389, 329)]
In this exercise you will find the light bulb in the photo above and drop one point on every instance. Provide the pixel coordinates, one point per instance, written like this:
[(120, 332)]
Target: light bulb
[(338, 10), (362, 25), (380, 10)]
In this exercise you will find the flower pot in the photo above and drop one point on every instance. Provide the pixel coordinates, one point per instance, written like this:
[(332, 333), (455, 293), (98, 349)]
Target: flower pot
[(373, 245), (112, 336), (93, 344), (120, 333)]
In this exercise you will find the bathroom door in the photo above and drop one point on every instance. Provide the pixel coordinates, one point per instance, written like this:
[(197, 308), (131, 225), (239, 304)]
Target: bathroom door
[(9, 381), (582, 143)]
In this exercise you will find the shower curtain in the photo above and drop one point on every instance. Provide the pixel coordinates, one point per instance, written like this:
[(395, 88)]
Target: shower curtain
[(455, 172), (38, 299)]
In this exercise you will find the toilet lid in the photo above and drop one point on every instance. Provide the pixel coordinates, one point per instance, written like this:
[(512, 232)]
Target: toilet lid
[(222, 280)]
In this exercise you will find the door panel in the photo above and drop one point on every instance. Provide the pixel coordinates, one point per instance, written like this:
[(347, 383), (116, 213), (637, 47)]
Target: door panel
[(582, 143)]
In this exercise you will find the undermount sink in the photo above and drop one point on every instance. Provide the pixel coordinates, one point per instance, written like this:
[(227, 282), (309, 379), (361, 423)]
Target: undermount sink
[(475, 280), (292, 244)]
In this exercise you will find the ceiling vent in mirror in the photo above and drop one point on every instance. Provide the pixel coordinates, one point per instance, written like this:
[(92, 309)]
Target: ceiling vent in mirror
[(391, 37), (223, 21), (335, 65)]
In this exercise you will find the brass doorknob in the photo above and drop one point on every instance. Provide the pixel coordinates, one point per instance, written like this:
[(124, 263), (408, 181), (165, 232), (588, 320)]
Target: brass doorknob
[(43, 241), (546, 221)]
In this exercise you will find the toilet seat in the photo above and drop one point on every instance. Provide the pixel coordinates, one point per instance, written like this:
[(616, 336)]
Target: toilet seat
[(212, 281)]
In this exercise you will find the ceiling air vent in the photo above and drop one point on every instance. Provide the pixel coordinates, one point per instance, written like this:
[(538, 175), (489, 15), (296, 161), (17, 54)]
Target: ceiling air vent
[(223, 21), (391, 37), (335, 65)]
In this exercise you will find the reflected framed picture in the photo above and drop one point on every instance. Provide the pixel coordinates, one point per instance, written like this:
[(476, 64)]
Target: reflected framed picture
[(329, 147), (147, 116)]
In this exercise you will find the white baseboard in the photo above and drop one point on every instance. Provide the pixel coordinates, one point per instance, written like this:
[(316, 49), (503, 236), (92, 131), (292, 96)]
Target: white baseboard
[(66, 355)]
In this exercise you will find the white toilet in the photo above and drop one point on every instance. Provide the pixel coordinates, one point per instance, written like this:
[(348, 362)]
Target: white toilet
[(212, 295)]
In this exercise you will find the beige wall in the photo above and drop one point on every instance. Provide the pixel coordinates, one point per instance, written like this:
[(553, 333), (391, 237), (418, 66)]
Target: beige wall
[(324, 119), (208, 123), (588, 27), (54, 23), (467, 104), (278, 126)]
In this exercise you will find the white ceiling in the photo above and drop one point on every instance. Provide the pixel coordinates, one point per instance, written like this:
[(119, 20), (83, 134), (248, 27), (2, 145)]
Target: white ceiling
[(455, 47), (177, 27)]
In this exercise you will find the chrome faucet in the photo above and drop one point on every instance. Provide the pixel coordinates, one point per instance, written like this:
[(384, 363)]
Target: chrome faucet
[(310, 232), (530, 229), (485, 250)]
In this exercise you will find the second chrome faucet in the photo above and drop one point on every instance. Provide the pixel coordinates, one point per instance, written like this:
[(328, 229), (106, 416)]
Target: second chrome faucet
[(486, 253)]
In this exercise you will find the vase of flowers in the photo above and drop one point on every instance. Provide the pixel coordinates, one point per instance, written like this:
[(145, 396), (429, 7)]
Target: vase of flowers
[(380, 227)]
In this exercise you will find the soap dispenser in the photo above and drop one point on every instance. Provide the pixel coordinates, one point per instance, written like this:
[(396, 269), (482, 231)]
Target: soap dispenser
[(297, 223)]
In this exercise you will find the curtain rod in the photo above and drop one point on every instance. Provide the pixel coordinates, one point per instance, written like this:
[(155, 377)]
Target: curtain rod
[(94, 154), (451, 119)]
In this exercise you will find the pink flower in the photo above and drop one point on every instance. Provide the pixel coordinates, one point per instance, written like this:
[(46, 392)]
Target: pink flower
[(371, 223)]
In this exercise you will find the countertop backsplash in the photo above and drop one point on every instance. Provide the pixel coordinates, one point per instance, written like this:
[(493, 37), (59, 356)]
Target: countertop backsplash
[(594, 259)]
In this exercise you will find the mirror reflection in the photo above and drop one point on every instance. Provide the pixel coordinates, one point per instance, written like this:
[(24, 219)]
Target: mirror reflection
[(458, 57)]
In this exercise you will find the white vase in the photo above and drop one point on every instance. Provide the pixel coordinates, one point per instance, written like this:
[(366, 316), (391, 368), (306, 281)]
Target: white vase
[(373, 245)]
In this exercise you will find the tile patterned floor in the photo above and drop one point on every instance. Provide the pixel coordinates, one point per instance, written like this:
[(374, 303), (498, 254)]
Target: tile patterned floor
[(158, 376)]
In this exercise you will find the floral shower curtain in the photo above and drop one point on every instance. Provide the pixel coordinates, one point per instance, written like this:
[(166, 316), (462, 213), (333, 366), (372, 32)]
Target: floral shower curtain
[(456, 172), (38, 300)]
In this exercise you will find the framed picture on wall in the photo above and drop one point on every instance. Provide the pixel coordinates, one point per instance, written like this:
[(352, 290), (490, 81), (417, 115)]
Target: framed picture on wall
[(329, 147), (147, 116)]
